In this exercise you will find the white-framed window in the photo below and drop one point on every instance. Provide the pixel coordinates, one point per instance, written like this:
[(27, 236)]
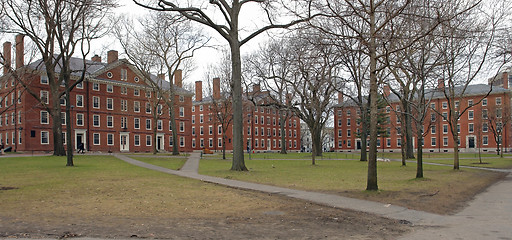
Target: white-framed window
[(124, 74), (200, 108), (433, 141), (19, 117), (458, 128), (95, 102), (44, 79), (182, 112), (44, 118), (80, 85), (96, 120), (148, 124), (171, 141), (484, 102), (182, 141), (471, 114), (44, 97), (96, 139), (210, 143), (498, 101), (445, 141), (256, 131), (219, 142), (136, 106), (349, 133), (201, 130), (136, 123), (445, 116), (182, 126), (124, 122), (193, 108), (63, 100), (110, 104), (485, 140), (124, 105), (219, 129), (124, 90), (95, 86), (471, 127), (110, 121), (445, 128), (445, 105), (136, 92), (457, 104), (399, 142), (136, 140), (433, 129), (62, 118), (79, 119), (388, 142), (485, 127), (484, 114), (170, 126), (201, 118), (110, 139), (159, 125), (45, 137), (148, 108), (148, 140), (210, 130), (79, 100), (148, 94), (110, 88)]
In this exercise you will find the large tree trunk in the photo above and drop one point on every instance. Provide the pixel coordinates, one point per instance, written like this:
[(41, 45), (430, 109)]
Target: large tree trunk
[(223, 145), (455, 151), (175, 149), (363, 157), (282, 122), (409, 149), (69, 139), (372, 161), (238, 163), (316, 136), (58, 144), (419, 160)]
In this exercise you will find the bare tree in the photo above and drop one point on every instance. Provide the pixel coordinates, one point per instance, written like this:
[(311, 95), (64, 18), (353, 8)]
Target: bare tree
[(164, 44), (498, 116), (65, 27), (228, 26)]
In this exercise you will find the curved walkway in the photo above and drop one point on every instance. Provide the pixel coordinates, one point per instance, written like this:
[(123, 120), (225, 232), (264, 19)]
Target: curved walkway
[(488, 216)]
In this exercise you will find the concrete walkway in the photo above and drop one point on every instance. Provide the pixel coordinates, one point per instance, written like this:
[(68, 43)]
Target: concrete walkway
[(489, 215)]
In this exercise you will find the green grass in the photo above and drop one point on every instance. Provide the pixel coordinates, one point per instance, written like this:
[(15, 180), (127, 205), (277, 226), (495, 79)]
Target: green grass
[(327, 175), (174, 163), (489, 162)]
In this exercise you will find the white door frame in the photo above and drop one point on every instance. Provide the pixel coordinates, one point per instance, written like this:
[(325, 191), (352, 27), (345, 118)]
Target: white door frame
[(162, 142), (84, 138), (126, 147)]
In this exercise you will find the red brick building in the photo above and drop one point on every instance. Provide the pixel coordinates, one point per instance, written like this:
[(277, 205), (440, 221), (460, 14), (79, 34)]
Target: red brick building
[(261, 122), (474, 126), (111, 109)]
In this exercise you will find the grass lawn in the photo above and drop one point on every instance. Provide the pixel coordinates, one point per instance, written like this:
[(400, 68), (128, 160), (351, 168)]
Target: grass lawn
[(104, 186), (174, 163), (442, 191), (487, 162)]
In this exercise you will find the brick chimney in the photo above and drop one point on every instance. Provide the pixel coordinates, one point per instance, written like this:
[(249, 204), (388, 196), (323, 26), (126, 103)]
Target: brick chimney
[(20, 51), (440, 83), (178, 78), (216, 88), (256, 88), (505, 80), (387, 90), (112, 56), (7, 57), (199, 91), (340, 98), (96, 58)]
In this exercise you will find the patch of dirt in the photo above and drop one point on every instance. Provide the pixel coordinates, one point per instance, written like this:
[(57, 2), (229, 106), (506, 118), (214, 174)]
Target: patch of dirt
[(444, 200), (7, 188), (295, 220)]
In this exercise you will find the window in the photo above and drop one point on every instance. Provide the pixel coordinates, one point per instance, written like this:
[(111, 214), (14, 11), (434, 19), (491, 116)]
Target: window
[(388, 142), (124, 105), (256, 131), (80, 85), (200, 108), (399, 142), (148, 93), (348, 133), (458, 128), (148, 108), (95, 102), (457, 104), (201, 118), (182, 126), (170, 126), (13, 119), (110, 104), (44, 79), (110, 139), (484, 114), (471, 127), (136, 92), (148, 124), (193, 119), (44, 138), (210, 143), (485, 127), (44, 97), (110, 88), (433, 129), (110, 121), (432, 117), (193, 131), (349, 143), (96, 139), (471, 114), (63, 100), (498, 101), (124, 122), (19, 117), (348, 122), (445, 128), (182, 112), (193, 108), (182, 141), (210, 130), (484, 102), (445, 141), (136, 106), (201, 130), (95, 86), (470, 102), (44, 118), (148, 140), (171, 141), (219, 129), (445, 105), (445, 116), (485, 140), (124, 74), (262, 120), (124, 90), (136, 123), (136, 140), (219, 142), (79, 119), (96, 120), (433, 141), (182, 99), (159, 125)]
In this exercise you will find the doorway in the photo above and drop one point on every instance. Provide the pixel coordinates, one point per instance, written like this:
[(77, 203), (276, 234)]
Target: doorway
[(471, 142), (124, 142)]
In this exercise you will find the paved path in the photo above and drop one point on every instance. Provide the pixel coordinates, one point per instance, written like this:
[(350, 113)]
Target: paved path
[(489, 215)]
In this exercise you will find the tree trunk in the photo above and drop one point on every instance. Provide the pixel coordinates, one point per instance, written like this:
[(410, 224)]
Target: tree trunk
[(317, 137), (455, 152), (175, 149), (403, 147), (58, 144), (155, 120), (419, 160), (69, 139), (372, 161), (282, 121), (238, 163), (223, 145), (364, 133), (409, 150)]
